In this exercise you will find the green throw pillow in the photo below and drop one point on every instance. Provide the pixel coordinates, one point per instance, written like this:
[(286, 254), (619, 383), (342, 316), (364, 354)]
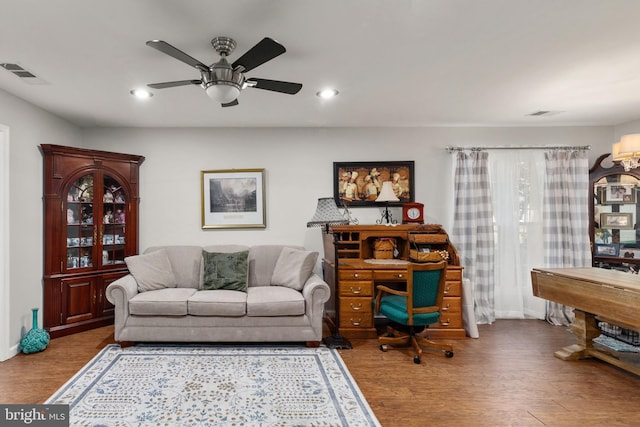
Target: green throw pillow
[(225, 270)]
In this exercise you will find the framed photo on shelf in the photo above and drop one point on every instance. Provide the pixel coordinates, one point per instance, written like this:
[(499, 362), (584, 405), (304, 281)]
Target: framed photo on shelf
[(359, 183), (616, 220), (233, 198), (612, 250), (616, 194)]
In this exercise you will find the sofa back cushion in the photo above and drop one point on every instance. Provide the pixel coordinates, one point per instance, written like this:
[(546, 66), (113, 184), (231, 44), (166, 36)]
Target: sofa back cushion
[(186, 263), (262, 262)]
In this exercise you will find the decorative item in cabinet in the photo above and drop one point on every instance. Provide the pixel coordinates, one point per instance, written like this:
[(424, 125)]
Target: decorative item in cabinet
[(90, 225)]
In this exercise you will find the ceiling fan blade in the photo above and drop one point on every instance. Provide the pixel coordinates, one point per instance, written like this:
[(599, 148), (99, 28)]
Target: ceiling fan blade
[(174, 84), (276, 86), (166, 48), (231, 104), (264, 51)]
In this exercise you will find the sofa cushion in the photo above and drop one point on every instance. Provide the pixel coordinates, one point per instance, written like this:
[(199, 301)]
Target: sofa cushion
[(162, 302), (220, 302), (262, 261), (152, 271), (225, 270), (293, 268), (274, 301), (186, 263)]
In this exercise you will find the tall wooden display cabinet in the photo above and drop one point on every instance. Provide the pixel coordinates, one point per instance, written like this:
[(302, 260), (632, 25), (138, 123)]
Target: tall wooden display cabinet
[(90, 225)]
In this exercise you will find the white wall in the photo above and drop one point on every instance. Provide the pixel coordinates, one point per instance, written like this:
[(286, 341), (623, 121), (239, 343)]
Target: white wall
[(299, 169), (29, 127)]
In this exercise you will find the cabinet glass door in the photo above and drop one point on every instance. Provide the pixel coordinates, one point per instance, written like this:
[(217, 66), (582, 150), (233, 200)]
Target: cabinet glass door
[(615, 216), (80, 223), (114, 219)]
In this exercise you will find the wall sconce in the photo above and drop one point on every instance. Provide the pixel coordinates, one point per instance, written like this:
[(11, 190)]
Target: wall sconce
[(627, 151), (386, 195)]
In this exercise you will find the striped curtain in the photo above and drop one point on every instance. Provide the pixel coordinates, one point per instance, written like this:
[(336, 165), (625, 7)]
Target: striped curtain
[(472, 231), (565, 219)]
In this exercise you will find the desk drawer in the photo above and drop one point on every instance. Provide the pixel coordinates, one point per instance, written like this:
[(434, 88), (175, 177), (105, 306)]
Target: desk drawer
[(452, 289), (454, 273), (450, 314), (390, 275), (355, 275), (356, 313), (356, 288)]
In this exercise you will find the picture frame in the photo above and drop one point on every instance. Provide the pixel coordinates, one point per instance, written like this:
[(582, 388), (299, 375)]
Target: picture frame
[(357, 184), (616, 220), (233, 198), (610, 250), (617, 194)]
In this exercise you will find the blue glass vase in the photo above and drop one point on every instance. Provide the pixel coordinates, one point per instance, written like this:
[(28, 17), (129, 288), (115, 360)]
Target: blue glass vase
[(36, 339)]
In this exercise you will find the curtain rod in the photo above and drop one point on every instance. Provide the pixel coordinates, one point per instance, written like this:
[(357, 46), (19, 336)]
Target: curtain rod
[(521, 147)]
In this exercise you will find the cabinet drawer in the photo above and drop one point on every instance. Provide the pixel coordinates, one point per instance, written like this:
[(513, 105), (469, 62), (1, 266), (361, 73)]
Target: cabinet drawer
[(354, 289), (452, 289), (355, 275), (390, 275)]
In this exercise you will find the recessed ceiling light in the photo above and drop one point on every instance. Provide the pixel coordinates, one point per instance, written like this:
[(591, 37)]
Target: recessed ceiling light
[(141, 93), (327, 93)]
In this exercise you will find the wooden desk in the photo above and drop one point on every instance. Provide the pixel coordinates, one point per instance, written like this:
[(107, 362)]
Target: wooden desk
[(612, 296), (357, 281)]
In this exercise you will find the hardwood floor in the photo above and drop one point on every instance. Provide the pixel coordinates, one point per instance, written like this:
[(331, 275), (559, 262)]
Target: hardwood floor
[(507, 377)]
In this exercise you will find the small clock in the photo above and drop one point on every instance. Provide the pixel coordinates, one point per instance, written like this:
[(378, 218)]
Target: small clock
[(413, 213)]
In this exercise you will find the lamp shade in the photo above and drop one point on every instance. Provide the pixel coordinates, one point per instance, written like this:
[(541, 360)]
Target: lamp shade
[(327, 213), (615, 152), (630, 144), (387, 194)]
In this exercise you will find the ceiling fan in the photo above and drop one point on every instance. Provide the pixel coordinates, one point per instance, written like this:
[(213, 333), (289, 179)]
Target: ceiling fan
[(223, 81)]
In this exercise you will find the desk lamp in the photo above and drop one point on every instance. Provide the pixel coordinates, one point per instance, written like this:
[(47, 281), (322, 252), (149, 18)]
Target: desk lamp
[(386, 195)]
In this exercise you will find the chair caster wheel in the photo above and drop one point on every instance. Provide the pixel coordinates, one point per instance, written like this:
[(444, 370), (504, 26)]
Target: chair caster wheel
[(384, 347), (416, 360), (448, 353)]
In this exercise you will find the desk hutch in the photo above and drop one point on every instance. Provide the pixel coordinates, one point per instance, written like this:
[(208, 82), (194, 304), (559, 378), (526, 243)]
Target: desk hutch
[(352, 270)]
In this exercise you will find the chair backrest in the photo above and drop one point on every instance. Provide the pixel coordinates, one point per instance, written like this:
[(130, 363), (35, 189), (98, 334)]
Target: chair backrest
[(425, 287)]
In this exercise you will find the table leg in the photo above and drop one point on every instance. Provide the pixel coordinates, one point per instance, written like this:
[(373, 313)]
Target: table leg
[(585, 329)]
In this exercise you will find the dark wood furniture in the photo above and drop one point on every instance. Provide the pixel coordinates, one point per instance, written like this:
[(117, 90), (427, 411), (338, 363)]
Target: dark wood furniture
[(608, 295), (90, 225), (615, 239), (352, 272)]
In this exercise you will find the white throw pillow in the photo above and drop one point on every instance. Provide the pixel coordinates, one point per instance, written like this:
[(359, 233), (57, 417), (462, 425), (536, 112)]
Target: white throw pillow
[(293, 268), (152, 271)]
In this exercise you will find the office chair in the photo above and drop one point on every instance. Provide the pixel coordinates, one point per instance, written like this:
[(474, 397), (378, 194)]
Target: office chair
[(418, 306)]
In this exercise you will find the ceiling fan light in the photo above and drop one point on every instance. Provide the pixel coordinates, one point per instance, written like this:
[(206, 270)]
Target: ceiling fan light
[(141, 93), (327, 93), (222, 92)]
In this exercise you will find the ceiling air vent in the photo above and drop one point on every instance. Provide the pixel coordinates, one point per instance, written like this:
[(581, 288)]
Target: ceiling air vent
[(21, 72)]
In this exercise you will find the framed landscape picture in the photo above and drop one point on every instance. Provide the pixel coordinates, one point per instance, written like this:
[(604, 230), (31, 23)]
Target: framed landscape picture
[(233, 198), (359, 183), (616, 220)]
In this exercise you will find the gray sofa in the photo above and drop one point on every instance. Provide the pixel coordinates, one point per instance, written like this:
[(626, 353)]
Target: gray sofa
[(182, 294)]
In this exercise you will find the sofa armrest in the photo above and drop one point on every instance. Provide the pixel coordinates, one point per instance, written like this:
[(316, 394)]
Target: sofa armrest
[(316, 292), (119, 292)]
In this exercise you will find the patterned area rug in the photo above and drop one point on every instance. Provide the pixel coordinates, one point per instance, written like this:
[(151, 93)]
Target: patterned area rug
[(215, 386)]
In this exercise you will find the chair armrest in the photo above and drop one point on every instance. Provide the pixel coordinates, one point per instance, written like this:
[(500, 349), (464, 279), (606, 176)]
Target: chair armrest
[(385, 289), (122, 290)]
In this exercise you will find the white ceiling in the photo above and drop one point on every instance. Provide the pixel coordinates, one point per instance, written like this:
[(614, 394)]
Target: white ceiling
[(395, 62)]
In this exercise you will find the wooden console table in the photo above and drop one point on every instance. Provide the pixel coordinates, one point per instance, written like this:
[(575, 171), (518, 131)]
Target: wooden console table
[(612, 296), (357, 272)]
